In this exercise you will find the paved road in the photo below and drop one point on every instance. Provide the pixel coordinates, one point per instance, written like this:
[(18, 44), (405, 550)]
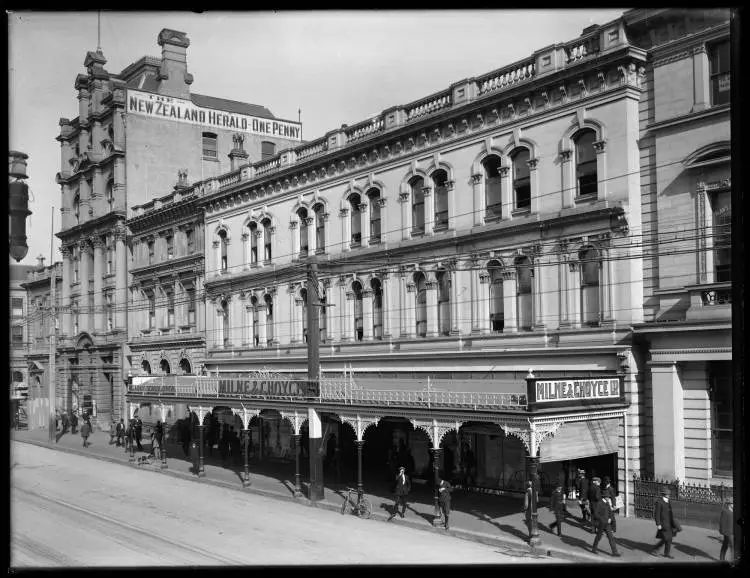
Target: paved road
[(72, 510)]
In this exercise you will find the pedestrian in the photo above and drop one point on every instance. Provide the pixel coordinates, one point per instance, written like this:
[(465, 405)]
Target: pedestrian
[(236, 448), (726, 523), (444, 500), (610, 492), (666, 525), (557, 506), (120, 432), (528, 502), (65, 422), (86, 432), (156, 440), (402, 489), (601, 511), (73, 422), (582, 490), (138, 431), (593, 497)]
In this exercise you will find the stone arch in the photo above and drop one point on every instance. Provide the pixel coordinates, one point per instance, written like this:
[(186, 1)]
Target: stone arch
[(348, 192), (476, 165), (222, 226), (447, 167), (504, 262), (575, 249), (84, 341), (709, 152), (363, 281), (521, 143), (377, 185), (567, 141), (405, 187)]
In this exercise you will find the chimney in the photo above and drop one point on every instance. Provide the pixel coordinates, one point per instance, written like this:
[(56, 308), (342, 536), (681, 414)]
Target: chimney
[(238, 155), (175, 79), (40, 262)]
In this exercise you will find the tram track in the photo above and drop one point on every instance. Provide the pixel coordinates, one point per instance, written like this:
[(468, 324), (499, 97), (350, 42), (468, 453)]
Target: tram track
[(129, 536)]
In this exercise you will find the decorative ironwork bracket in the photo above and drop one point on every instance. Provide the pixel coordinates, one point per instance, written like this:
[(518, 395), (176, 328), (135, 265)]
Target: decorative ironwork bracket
[(533, 435), (359, 424), (435, 429), (245, 415)]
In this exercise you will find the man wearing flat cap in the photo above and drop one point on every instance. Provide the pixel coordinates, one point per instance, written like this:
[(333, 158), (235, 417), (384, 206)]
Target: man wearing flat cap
[(666, 525), (403, 487)]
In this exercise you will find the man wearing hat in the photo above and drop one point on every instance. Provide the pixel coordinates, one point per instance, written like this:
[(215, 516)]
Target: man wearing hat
[(403, 487), (666, 525), (609, 492), (582, 489)]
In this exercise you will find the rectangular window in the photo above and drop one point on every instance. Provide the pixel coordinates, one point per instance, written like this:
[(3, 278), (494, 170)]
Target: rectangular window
[(191, 306), (210, 146), (170, 310), (150, 252), (17, 306), (721, 207), (170, 246), (267, 150), (17, 333), (110, 314), (718, 55), (190, 241), (441, 208), (151, 310), (720, 387)]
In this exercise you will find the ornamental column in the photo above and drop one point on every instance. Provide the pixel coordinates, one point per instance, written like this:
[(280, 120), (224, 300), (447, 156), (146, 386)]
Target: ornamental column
[(701, 83), (568, 179), (332, 325), (506, 194), (451, 191), (484, 302), (367, 315), (431, 292), (83, 285), (562, 275), (602, 184), (121, 291), (346, 229), (348, 321), (574, 293), (534, 185), (364, 224), (429, 210), (385, 286), (406, 225), (310, 223), (608, 286), (538, 307), (98, 316), (410, 305), (294, 232), (65, 297), (510, 288), (479, 200), (261, 311), (296, 309), (476, 296)]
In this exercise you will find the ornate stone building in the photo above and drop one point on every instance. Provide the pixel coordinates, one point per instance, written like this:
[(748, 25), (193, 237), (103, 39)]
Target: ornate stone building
[(133, 132)]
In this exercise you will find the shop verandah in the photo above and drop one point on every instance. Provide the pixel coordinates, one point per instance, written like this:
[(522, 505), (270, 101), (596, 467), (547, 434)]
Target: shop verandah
[(487, 441)]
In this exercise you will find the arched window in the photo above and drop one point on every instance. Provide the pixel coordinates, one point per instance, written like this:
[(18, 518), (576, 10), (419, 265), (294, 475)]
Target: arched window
[(417, 205), (109, 194), (492, 180), (586, 177), (253, 232), (77, 207), (224, 323), (320, 228), (224, 262), (356, 219), (358, 308), (269, 318), (377, 308), (521, 179), (497, 307), (164, 367), (524, 275), (303, 241), (373, 197), (185, 366), (440, 183), (444, 302), (303, 295), (146, 367), (266, 239), (256, 333), (590, 266), (421, 304)]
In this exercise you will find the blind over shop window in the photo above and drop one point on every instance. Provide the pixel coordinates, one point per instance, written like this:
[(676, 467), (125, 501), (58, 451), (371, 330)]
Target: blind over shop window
[(721, 206)]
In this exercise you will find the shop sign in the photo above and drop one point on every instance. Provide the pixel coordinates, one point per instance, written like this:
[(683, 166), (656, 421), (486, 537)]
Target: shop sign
[(180, 110), (724, 84), (543, 393), (272, 387)]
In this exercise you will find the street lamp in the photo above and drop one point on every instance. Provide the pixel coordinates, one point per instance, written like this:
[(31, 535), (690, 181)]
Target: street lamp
[(18, 204)]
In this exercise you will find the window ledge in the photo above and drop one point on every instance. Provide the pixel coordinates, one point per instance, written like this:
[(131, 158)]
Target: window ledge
[(522, 211), (211, 159), (590, 198)]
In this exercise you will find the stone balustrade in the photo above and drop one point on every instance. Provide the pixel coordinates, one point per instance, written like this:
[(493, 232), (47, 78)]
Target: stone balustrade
[(364, 129), (268, 166), (582, 48), (427, 106), (506, 76), (312, 149)]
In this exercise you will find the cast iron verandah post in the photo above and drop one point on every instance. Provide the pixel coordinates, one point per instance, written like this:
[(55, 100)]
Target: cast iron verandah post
[(297, 481), (246, 478)]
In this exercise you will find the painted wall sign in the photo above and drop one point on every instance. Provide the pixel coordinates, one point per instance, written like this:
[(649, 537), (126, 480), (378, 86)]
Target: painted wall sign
[(572, 389), (176, 109)]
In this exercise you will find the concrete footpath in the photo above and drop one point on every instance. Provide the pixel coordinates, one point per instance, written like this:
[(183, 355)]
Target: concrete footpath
[(494, 520)]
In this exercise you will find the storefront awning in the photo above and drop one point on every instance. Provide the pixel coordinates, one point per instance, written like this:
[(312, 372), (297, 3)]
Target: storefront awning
[(581, 440)]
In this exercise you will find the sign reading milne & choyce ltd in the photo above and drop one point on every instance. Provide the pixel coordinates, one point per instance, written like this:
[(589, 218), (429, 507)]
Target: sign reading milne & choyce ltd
[(180, 110), (574, 391)]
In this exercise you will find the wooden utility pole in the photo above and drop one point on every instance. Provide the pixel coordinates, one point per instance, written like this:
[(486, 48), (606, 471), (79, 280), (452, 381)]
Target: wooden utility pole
[(316, 447), (52, 336)]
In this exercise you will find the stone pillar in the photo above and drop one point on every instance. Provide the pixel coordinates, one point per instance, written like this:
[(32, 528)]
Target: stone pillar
[(569, 186), (476, 297), (608, 286), (294, 233), (429, 210), (386, 287), (451, 191), (400, 307), (296, 310), (701, 82), (510, 288), (574, 294), (602, 183), (455, 309), (364, 226), (432, 305), (367, 323), (310, 222), (562, 275), (538, 301), (83, 286), (403, 198), (236, 320), (483, 306), (506, 194), (332, 325), (668, 424), (346, 229), (98, 317), (536, 202), (262, 339), (409, 309), (348, 320), (121, 290), (65, 327)]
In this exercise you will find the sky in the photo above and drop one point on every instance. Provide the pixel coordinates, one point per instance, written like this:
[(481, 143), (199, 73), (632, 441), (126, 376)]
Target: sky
[(337, 67)]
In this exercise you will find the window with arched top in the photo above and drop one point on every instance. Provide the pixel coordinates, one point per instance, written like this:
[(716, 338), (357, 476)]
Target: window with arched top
[(303, 296), (269, 318), (146, 367), (320, 228), (252, 231), (303, 240), (524, 295), (590, 263), (109, 194), (358, 311), (521, 178), (224, 261), (492, 189), (266, 224), (444, 302), (77, 207), (377, 308), (185, 368), (356, 219), (164, 367), (586, 177), (417, 205), (440, 187), (420, 284), (497, 306), (373, 198)]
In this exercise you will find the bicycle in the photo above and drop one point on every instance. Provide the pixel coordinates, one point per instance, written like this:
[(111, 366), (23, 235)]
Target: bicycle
[(361, 507)]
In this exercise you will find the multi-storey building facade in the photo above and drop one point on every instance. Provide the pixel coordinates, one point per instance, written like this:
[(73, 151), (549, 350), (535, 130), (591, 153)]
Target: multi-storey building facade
[(134, 132), (686, 189), (478, 257), (19, 309)]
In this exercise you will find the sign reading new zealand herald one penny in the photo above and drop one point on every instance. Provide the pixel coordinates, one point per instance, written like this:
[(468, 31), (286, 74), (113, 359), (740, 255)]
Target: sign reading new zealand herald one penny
[(180, 110), (567, 392)]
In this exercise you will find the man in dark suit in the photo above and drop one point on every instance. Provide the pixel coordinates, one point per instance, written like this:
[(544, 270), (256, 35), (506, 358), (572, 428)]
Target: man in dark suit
[(601, 511), (582, 489), (403, 487), (557, 504), (444, 499), (666, 525), (593, 497)]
